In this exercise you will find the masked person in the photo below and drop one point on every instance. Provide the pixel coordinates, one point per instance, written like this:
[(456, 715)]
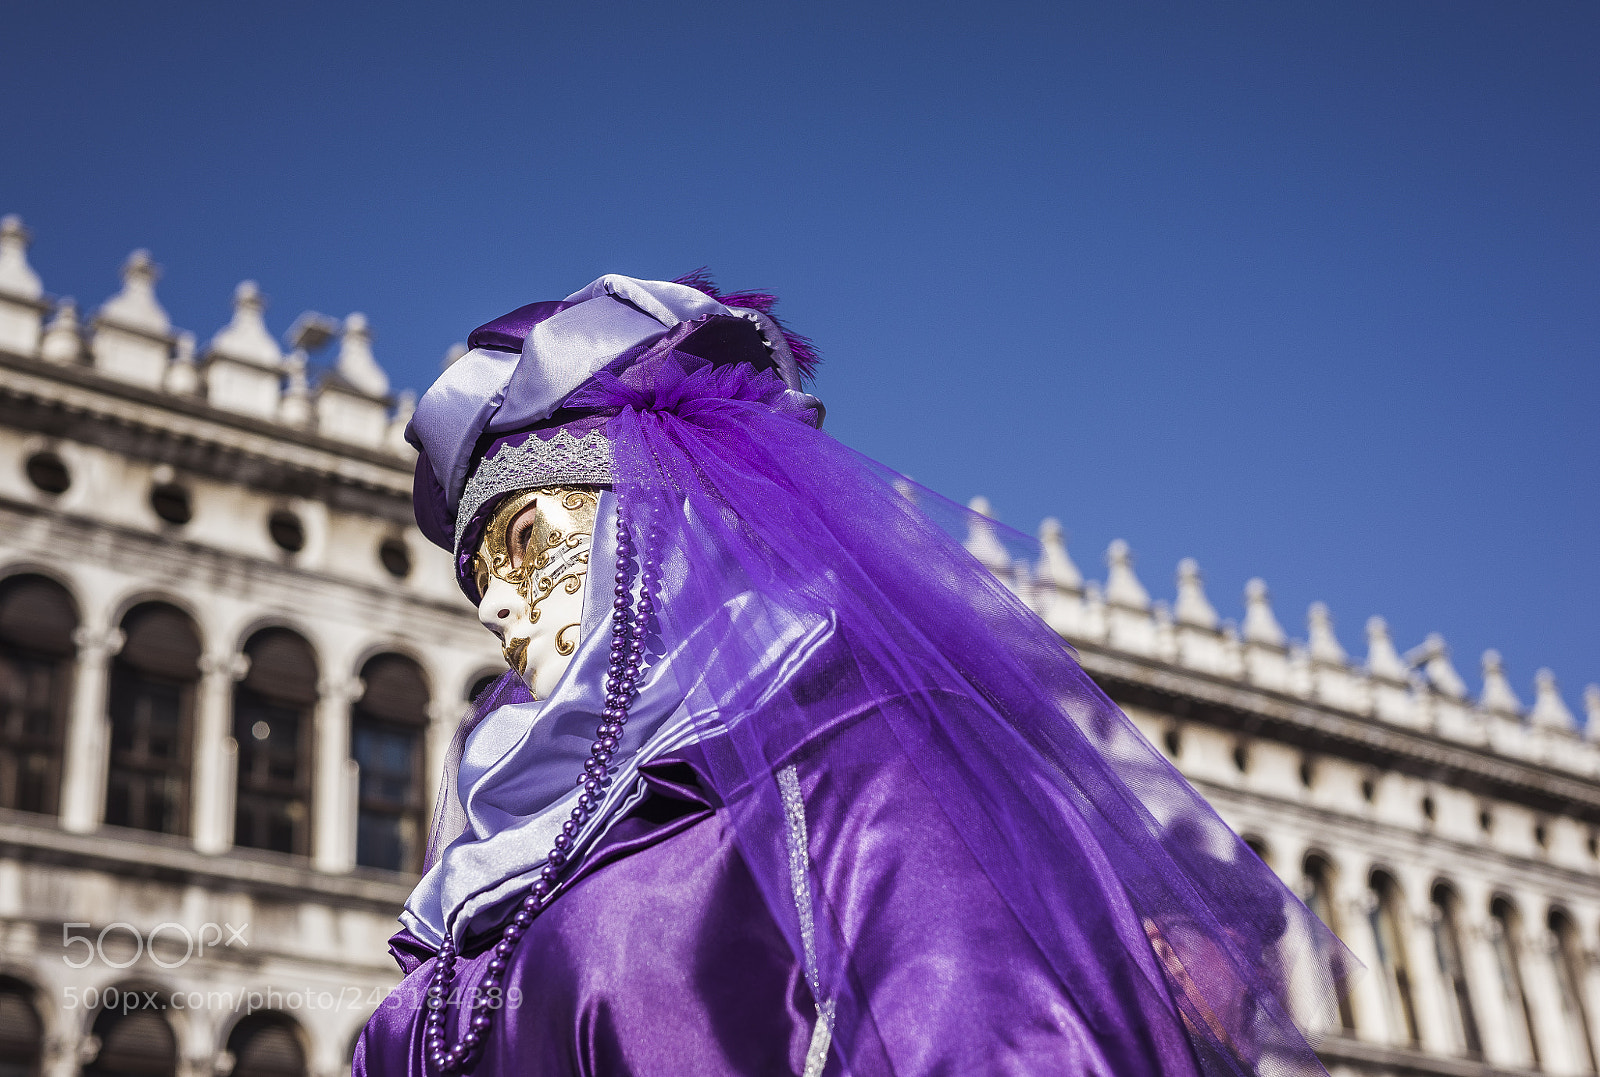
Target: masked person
[(782, 780)]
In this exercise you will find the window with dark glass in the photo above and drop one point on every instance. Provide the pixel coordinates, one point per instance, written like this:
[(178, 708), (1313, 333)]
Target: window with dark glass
[(48, 472), (151, 708), (272, 716), (267, 1045), (1505, 928), (395, 557), (135, 1043), (287, 532), (171, 502), (386, 732), (21, 1033), (37, 620), (1389, 937), (1570, 963), (1453, 972), (1319, 899), (481, 684)]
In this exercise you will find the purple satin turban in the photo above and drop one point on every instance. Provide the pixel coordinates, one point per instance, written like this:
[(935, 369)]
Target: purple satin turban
[(523, 368)]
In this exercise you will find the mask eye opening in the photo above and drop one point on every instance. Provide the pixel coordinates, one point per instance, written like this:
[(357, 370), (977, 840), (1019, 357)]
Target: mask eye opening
[(522, 540)]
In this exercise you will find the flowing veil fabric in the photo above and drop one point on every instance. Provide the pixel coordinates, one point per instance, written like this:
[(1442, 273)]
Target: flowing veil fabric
[(902, 653)]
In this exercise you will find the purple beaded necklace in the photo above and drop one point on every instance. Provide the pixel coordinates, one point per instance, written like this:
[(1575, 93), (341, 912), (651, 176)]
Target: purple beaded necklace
[(628, 632)]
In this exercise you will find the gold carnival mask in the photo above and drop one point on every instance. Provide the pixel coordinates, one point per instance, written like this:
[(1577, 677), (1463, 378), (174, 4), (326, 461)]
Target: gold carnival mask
[(541, 553)]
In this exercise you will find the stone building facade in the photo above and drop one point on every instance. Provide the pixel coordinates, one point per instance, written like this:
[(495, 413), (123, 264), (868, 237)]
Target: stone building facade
[(1450, 840), (230, 667)]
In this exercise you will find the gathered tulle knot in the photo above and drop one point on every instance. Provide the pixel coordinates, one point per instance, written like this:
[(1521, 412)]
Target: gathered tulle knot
[(695, 390)]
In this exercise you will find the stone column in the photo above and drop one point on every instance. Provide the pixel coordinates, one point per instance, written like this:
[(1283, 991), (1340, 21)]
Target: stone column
[(333, 820), (444, 717), (215, 766), (1429, 991), (83, 782), (1540, 952), (1589, 976), (61, 1051), (1367, 1002), (1500, 1046)]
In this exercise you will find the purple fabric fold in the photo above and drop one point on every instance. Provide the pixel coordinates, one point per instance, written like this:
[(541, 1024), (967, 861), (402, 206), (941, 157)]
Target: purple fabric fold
[(662, 957), (1042, 779), (507, 332)]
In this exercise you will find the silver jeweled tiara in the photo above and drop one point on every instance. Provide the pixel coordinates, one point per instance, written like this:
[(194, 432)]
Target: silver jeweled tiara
[(562, 461)]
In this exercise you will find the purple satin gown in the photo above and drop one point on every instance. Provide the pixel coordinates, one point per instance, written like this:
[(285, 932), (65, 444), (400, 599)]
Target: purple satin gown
[(661, 959)]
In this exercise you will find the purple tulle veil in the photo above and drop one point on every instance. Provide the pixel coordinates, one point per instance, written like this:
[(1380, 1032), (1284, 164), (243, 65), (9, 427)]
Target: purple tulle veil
[(1093, 841)]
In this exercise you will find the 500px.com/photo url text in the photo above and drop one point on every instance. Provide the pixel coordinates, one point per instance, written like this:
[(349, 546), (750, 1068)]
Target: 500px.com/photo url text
[(246, 1001)]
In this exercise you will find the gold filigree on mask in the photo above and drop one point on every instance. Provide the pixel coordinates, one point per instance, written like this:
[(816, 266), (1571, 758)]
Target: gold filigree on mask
[(539, 557), (516, 652), (565, 646)]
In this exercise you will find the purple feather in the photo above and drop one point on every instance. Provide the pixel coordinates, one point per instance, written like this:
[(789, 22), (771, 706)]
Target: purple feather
[(801, 347)]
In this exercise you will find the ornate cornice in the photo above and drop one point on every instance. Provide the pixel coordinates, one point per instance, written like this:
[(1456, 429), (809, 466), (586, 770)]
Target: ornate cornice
[(1315, 727), (1406, 1061), (80, 404), (35, 842)]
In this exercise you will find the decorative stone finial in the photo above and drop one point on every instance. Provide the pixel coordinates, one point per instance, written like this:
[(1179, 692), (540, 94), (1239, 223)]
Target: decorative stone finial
[(1433, 658), (356, 364), (1094, 611), (1322, 642), (16, 275), (1591, 711), (1055, 567), (981, 540), (405, 407), (451, 354), (1498, 696), (245, 337), (1382, 659), (294, 408), (1193, 607), (63, 337), (1122, 584), (183, 377), (1549, 709), (136, 306), (1260, 623)]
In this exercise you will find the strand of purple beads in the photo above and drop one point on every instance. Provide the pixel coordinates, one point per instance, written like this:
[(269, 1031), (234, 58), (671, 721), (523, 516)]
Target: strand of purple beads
[(628, 632)]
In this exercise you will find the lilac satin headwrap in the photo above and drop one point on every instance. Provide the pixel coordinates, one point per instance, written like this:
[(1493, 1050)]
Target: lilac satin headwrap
[(522, 368)]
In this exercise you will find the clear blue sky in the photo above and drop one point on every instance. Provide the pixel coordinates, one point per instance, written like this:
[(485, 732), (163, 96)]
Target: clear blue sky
[(1303, 291)]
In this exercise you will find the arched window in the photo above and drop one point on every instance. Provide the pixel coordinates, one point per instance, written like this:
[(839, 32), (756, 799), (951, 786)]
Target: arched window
[(1319, 899), (1387, 920), (1505, 929), (152, 717), (267, 1045), (386, 732), (1452, 971), (272, 712), (481, 684), (133, 1041), (1570, 961), (21, 1031), (37, 619)]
